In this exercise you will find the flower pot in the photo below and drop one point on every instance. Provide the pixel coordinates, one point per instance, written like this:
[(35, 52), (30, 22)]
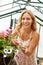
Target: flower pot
[(1, 59)]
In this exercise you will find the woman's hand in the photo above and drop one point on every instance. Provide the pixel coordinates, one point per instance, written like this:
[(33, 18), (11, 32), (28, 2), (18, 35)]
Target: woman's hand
[(15, 42), (8, 32), (25, 51)]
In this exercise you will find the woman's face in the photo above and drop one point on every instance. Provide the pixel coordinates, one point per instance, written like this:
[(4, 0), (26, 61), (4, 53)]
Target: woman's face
[(26, 20)]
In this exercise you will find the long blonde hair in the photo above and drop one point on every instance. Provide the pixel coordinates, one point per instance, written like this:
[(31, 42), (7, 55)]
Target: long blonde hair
[(33, 26)]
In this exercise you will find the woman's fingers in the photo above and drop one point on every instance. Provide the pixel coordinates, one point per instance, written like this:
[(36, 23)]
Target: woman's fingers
[(15, 42)]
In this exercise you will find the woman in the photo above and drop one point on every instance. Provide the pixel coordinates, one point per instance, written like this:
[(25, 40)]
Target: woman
[(28, 36)]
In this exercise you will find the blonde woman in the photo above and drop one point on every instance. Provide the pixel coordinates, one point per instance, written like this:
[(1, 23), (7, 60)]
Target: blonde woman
[(27, 35)]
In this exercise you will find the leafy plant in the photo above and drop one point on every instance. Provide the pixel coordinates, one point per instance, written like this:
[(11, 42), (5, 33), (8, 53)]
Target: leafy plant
[(6, 46)]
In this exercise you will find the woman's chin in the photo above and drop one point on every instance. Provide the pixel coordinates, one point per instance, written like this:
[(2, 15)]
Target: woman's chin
[(26, 26)]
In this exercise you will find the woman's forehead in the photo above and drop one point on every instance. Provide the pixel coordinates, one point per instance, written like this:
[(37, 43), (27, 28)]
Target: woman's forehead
[(26, 15)]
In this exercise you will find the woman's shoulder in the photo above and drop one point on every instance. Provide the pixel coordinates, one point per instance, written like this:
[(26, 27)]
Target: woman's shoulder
[(36, 34)]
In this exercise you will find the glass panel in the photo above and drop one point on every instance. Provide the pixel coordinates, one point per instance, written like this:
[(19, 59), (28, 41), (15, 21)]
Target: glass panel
[(36, 12), (41, 0), (40, 22), (38, 26), (4, 8), (10, 10), (38, 4), (4, 23), (40, 49), (3, 2)]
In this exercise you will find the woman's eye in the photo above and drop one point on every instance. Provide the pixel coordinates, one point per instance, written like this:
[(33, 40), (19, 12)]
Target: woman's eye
[(28, 18), (23, 18)]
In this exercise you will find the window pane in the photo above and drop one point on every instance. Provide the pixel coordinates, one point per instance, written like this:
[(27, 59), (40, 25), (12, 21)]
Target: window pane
[(4, 23)]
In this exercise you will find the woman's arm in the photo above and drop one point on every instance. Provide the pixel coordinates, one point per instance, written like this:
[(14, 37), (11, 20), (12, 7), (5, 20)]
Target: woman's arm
[(15, 33), (33, 44)]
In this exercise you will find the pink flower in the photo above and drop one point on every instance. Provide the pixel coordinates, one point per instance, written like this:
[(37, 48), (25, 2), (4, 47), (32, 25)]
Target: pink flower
[(2, 34), (10, 27), (8, 31), (5, 33)]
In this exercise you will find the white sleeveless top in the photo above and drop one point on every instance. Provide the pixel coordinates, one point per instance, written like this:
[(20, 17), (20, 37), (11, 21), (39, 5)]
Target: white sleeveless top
[(25, 43), (23, 59)]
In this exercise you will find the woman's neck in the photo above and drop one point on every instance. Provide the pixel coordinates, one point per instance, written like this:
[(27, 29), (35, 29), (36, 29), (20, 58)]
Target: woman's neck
[(28, 30)]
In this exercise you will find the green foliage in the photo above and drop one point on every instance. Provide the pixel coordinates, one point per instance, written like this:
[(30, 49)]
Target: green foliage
[(6, 43), (6, 46)]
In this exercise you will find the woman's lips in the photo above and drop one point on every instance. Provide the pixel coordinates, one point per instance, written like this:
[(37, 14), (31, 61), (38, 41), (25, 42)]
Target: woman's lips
[(25, 24)]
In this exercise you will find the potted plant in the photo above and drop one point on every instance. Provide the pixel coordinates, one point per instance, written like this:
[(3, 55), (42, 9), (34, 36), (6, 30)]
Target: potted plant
[(6, 47)]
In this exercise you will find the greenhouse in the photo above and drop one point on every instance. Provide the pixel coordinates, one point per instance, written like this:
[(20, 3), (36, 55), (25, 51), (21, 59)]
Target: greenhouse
[(10, 11)]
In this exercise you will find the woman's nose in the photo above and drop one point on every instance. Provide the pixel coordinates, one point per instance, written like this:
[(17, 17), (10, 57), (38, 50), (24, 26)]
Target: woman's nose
[(25, 20)]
